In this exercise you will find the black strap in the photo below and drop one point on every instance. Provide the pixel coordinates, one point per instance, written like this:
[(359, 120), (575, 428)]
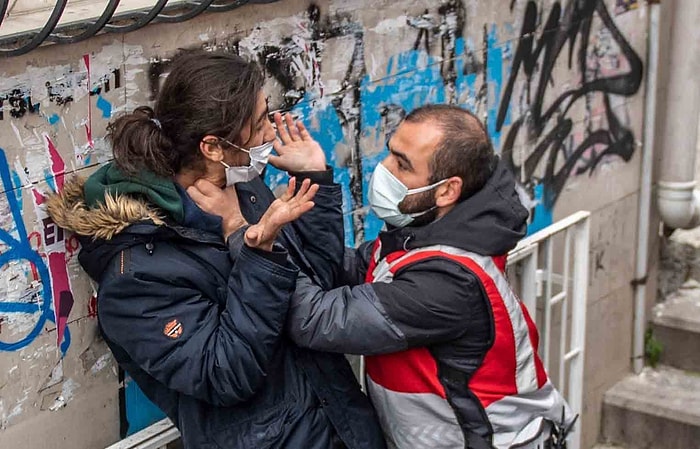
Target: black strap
[(475, 441)]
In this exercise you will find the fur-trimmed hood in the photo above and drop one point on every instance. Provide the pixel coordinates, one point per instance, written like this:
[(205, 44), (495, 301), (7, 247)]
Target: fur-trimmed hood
[(107, 218)]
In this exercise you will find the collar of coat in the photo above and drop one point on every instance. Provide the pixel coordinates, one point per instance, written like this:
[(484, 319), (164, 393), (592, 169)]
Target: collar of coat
[(104, 219)]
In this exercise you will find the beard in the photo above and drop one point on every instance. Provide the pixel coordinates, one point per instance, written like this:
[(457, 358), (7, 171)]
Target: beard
[(420, 202)]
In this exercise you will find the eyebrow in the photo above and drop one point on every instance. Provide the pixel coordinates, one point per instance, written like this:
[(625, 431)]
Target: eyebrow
[(401, 156)]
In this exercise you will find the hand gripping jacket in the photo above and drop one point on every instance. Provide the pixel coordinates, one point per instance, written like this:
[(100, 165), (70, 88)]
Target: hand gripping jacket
[(423, 403)]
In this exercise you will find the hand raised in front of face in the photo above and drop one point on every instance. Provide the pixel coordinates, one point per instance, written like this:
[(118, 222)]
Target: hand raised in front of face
[(283, 210), (297, 150), (217, 201)]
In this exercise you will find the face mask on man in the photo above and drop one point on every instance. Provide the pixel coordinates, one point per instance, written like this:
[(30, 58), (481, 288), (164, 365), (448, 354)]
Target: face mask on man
[(259, 156), (386, 192)]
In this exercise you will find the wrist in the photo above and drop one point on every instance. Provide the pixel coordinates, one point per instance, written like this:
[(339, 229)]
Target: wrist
[(316, 167), (232, 224)]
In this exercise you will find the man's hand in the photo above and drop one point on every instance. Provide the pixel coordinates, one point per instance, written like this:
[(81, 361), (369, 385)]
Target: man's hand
[(297, 151), (283, 210), (218, 201)]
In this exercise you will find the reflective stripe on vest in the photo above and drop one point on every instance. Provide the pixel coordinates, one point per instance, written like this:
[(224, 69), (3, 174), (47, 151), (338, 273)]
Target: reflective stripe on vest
[(405, 388)]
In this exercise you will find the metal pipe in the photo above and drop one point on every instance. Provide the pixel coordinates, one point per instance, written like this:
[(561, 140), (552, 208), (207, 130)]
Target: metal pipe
[(641, 266), (679, 206), (39, 37), (3, 9), (90, 30)]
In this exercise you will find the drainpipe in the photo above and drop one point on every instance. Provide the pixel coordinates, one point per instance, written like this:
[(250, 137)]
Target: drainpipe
[(679, 202), (679, 108), (641, 266)]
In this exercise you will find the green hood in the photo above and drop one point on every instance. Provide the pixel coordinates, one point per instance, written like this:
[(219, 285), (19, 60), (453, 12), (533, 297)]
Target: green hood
[(161, 192)]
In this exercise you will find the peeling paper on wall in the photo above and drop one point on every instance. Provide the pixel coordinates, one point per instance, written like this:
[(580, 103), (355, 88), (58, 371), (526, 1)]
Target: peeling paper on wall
[(67, 393)]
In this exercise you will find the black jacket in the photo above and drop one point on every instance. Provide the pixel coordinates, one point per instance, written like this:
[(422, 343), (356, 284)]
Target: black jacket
[(197, 323), (435, 303)]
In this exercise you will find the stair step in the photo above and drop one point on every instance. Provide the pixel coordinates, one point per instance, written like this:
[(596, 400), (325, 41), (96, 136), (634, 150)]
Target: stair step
[(659, 408), (676, 325)]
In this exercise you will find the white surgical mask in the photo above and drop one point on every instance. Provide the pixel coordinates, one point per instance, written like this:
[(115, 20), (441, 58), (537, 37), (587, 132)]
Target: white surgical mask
[(258, 161), (386, 193)]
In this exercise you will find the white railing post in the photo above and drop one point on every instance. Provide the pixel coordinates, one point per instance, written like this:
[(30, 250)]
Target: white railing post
[(572, 280), (155, 436), (578, 325), (564, 312)]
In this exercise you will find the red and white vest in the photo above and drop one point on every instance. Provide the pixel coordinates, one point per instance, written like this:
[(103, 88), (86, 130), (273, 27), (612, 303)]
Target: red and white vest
[(511, 384)]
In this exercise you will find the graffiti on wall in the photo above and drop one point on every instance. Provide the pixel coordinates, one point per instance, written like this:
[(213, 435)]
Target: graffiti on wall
[(38, 292), (35, 284), (607, 66), (353, 116), (509, 84), (529, 86), (551, 83)]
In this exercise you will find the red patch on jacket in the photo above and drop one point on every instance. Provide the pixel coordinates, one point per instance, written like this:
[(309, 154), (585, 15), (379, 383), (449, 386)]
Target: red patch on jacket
[(173, 329)]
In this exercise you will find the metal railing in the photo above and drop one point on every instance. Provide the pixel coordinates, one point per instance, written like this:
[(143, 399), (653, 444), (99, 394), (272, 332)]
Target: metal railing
[(551, 277), (546, 279), (156, 436), (108, 22)]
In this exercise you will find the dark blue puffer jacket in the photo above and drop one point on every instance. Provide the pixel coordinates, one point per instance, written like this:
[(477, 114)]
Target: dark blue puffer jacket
[(198, 322)]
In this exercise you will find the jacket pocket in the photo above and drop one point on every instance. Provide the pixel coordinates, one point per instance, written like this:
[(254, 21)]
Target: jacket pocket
[(264, 430)]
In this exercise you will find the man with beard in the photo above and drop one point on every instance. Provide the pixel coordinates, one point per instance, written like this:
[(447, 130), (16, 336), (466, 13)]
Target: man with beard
[(451, 352)]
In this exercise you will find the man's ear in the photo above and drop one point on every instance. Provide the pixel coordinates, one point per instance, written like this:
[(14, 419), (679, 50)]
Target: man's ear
[(449, 192), (210, 149)]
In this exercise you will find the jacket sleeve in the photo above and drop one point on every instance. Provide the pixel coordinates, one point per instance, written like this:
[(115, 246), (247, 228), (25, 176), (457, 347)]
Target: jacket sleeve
[(187, 341), (321, 229), (355, 265), (426, 303)]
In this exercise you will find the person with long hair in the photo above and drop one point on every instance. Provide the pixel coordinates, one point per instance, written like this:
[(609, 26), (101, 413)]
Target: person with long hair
[(196, 262)]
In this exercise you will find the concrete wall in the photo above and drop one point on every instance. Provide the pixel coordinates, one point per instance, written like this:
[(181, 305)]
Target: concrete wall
[(558, 83)]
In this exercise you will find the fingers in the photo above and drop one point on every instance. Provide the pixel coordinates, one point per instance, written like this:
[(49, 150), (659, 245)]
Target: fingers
[(311, 193), (288, 130), (305, 207), (279, 147), (196, 194), (303, 188), (306, 192), (276, 161), (253, 235), (206, 187), (282, 129), (292, 127), (289, 193), (303, 132)]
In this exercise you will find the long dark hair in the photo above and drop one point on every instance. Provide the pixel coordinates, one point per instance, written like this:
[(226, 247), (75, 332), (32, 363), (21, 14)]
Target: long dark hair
[(205, 93)]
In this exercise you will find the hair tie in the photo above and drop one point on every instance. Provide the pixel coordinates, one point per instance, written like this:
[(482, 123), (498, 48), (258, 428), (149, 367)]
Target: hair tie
[(157, 122)]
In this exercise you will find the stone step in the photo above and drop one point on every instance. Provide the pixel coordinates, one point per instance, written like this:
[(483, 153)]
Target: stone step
[(659, 408), (676, 325)]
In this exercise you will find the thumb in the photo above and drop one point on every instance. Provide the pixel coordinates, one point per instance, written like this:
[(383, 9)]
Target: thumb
[(276, 161), (252, 236), (206, 187)]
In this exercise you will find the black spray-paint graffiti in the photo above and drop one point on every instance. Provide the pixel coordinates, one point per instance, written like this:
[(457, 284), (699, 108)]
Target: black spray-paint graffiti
[(550, 126), (18, 101), (279, 63)]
